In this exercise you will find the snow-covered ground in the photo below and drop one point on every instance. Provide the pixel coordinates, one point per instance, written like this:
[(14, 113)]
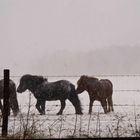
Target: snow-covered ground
[(123, 122)]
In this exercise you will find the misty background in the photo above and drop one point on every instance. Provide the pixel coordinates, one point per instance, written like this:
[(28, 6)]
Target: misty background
[(70, 37)]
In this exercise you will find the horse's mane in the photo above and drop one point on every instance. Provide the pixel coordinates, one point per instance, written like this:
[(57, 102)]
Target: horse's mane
[(39, 77), (90, 77), (36, 78), (85, 77)]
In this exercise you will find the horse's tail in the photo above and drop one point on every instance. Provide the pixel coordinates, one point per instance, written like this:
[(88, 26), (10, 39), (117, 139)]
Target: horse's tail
[(13, 98), (110, 85), (73, 97)]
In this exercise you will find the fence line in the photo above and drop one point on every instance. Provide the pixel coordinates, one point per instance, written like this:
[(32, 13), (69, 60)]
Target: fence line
[(97, 75), (44, 119), (58, 105), (125, 90)]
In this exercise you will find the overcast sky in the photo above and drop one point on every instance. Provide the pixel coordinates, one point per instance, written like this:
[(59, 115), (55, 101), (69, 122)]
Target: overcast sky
[(30, 28)]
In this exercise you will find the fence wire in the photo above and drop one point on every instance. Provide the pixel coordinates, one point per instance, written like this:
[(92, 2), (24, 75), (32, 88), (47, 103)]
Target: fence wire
[(121, 114), (96, 75)]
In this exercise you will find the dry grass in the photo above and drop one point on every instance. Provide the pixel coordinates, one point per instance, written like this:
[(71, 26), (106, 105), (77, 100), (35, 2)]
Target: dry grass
[(78, 128)]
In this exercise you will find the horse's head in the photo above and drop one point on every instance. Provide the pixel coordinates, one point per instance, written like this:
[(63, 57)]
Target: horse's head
[(85, 82), (81, 84), (30, 82)]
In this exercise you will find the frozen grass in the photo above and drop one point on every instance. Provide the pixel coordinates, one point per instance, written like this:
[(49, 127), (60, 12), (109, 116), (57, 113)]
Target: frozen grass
[(115, 124)]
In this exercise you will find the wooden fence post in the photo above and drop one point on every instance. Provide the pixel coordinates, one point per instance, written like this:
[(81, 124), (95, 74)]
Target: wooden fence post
[(6, 108)]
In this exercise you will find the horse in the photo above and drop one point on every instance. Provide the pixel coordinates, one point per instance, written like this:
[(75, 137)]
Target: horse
[(100, 90), (12, 97), (49, 91)]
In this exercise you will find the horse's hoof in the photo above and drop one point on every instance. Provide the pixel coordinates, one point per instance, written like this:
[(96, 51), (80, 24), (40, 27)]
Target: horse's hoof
[(79, 113), (42, 113), (59, 113), (108, 111)]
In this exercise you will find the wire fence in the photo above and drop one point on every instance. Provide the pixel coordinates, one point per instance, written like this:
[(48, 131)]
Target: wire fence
[(124, 113), (121, 82), (128, 90), (96, 75)]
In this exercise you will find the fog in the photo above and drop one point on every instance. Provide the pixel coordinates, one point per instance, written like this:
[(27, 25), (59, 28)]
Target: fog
[(70, 37)]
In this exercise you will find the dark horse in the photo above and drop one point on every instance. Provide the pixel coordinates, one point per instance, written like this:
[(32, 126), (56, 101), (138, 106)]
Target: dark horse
[(44, 90), (100, 90), (12, 98)]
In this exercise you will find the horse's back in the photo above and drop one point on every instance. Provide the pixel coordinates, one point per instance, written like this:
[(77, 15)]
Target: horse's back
[(106, 86), (63, 84), (106, 83), (55, 90)]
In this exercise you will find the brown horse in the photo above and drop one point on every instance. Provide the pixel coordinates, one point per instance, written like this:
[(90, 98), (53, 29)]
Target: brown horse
[(100, 90)]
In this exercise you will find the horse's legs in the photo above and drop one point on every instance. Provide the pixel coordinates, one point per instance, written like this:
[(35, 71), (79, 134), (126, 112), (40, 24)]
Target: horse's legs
[(1, 107), (62, 107), (38, 107), (104, 105), (14, 104), (90, 105), (76, 103), (108, 105), (43, 106), (110, 102)]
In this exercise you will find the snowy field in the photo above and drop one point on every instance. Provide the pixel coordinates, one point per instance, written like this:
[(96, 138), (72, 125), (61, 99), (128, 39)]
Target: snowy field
[(123, 122)]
